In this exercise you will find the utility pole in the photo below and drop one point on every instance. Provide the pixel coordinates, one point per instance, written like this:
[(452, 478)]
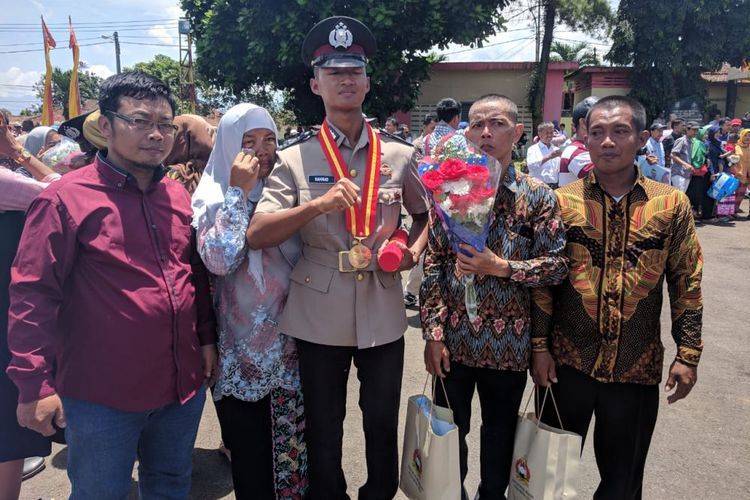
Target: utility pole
[(538, 27), (187, 76), (115, 38), (117, 51)]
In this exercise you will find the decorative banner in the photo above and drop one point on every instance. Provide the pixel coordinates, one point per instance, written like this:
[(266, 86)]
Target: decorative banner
[(48, 117), (74, 95)]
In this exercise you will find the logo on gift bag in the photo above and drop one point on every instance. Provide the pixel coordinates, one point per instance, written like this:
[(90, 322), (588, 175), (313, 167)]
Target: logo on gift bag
[(522, 470)]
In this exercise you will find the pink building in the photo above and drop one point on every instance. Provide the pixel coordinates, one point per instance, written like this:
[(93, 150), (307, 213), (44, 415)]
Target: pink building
[(466, 81)]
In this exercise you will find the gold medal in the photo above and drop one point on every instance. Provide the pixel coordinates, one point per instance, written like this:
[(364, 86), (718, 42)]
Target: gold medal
[(360, 256)]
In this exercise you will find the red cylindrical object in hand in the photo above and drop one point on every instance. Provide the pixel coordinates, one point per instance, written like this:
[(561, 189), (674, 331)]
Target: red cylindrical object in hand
[(391, 256)]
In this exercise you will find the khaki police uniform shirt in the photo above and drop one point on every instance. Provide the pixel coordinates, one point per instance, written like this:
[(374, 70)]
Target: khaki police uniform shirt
[(325, 306)]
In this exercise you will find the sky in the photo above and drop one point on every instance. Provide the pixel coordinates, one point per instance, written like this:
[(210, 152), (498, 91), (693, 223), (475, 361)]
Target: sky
[(149, 27)]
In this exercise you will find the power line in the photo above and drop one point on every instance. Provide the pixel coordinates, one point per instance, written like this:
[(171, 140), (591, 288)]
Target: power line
[(583, 41), (90, 29), (151, 44), (485, 47), (37, 43), (97, 23), (56, 48)]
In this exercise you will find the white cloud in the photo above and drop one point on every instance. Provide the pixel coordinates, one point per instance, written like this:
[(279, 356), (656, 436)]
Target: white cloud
[(17, 82), (101, 70), (164, 35)]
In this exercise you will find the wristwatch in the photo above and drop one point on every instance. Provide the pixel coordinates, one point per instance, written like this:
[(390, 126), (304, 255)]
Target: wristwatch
[(23, 156)]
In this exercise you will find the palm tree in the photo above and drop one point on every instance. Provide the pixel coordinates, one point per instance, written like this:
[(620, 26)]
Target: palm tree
[(578, 51)]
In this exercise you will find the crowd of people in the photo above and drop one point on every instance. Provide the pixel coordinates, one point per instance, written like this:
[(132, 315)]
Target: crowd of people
[(687, 156), (256, 275)]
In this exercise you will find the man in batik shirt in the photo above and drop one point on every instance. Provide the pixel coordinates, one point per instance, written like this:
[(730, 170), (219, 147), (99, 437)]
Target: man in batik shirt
[(524, 249), (597, 336)]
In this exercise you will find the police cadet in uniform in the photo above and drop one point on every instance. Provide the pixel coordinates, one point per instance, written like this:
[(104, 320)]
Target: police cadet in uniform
[(342, 188)]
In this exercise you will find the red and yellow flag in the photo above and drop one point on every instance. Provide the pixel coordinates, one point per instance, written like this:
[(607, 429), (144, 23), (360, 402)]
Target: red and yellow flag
[(74, 96), (48, 116)]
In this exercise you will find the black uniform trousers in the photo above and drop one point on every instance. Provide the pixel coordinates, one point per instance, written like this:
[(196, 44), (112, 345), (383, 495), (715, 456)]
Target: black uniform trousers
[(324, 372), (500, 393), (247, 431), (625, 419)]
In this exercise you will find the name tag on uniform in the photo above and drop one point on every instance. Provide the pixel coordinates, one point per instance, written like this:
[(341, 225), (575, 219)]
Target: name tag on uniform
[(321, 179)]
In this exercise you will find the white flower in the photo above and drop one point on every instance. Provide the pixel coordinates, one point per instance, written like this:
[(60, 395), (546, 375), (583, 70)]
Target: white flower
[(460, 187), (478, 212), (446, 205)]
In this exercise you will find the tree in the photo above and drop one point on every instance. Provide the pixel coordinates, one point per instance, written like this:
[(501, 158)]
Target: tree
[(669, 48), (209, 97), (579, 52), (246, 43), (88, 87), (591, 16)]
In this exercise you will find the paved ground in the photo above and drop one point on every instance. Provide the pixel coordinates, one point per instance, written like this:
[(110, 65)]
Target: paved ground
[(701, 446)]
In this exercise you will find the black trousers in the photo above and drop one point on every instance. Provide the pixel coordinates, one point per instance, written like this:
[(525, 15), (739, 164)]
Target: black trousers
[(246, 430), (324, 371), (698, 193), (500, 394), (625, 420)]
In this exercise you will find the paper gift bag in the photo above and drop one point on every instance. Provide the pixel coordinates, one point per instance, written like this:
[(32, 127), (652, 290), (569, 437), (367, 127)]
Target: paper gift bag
[(545, 459), (430, 460)]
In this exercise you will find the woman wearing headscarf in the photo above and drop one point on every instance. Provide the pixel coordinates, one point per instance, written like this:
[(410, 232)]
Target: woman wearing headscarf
[(257, 393), (40, 139), (742, 167), (698, 186), (193, 143)]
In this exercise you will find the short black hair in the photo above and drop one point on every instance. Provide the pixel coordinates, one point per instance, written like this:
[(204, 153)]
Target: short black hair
[(27, 125), (510, 106), (428, 118), (734, 137), (447, 109), (135, 84), (392, 119), (582, 109), (615, 101), (723, 122)]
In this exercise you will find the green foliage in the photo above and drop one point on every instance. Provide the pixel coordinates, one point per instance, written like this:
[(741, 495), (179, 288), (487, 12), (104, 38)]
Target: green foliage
[(208, 96), (88, 87), (162, 67), (246, 43), (580, 52), (669, 48)]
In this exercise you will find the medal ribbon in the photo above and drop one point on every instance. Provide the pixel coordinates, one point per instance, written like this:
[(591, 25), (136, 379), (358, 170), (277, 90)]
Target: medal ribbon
[(360, 218)]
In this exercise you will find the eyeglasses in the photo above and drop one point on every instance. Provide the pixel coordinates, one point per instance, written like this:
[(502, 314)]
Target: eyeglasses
[(146, 125)]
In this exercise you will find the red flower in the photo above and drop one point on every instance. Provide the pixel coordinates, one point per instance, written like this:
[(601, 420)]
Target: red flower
[(478, 195), (453, 169), (478, 175), (460, 204), (432, 180)]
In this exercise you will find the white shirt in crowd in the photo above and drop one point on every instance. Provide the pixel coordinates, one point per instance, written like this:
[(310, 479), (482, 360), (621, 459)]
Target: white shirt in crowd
[(548, 171)]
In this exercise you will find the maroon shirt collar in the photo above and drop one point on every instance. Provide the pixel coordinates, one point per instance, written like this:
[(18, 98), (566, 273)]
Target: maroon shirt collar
[(118, 176)]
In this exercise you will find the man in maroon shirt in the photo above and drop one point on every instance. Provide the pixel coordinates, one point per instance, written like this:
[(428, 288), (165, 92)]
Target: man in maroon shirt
[(110, 324)]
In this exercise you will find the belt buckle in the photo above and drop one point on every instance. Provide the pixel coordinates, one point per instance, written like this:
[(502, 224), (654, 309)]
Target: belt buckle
[(344, 257)]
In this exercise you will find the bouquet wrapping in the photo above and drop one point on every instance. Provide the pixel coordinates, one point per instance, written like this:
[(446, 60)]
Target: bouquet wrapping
[(463, 183)]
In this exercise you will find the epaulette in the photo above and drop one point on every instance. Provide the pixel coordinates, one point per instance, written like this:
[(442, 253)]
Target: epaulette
[(304, 136), (395, 137)]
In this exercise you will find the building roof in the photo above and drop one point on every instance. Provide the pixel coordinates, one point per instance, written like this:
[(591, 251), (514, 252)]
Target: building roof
[(501, 65), (585, 70)]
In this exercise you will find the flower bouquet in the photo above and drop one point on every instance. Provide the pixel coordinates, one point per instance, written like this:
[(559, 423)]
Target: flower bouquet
[(463, 183)]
